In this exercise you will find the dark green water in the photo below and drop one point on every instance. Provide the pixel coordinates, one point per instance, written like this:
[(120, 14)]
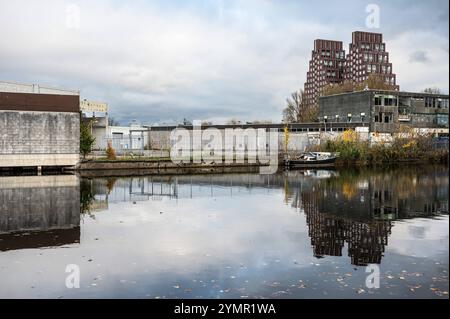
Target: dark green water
[(301, 234)]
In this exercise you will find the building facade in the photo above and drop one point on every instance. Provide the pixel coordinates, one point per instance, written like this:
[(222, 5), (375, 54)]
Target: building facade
[(367, 55), (329, 64), (326, 66), (39, 127), (387, 111)]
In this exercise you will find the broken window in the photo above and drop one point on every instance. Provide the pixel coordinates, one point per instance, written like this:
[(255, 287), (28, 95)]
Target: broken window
[(388, 118), (378, 100)]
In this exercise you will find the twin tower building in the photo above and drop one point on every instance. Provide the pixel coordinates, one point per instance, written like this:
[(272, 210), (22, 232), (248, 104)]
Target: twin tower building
[(329, 64)]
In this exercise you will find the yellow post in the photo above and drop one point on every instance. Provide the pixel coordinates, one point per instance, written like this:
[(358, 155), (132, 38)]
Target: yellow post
[(286, 139)]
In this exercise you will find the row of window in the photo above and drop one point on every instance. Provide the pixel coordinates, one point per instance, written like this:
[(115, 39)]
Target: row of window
[(337, 55), (384, 117), (380, 58), (332, 63), (329, 129), (373, 68), (386, 100), (372, 46), (436, 102)]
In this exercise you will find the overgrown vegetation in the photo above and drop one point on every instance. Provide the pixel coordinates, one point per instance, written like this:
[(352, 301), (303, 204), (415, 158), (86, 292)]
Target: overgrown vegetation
[(373, 82), (405, 146)]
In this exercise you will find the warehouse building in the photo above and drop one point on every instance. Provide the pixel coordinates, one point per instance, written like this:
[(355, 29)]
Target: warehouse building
[(39, 126)]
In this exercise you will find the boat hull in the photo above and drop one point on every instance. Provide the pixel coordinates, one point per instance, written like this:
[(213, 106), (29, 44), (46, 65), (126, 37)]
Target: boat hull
[(312, 163)]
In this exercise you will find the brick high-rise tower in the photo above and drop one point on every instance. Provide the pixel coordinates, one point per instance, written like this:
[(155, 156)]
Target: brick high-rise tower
[(367, 55), (326, 66)]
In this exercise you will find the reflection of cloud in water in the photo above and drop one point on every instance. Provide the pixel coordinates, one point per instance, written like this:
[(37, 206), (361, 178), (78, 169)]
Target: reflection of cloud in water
[(418, 232)]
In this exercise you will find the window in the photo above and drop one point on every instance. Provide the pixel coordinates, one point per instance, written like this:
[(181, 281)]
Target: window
[(442, 119), (388, 117), (378, 100), (429, 102), (388, 101)]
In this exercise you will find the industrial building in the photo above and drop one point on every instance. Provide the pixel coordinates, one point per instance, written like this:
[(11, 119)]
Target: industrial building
[(387, 111), (39, 126)]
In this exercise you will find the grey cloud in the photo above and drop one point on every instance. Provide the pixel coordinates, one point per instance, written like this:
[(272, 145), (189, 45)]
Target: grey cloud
[(419, 56)]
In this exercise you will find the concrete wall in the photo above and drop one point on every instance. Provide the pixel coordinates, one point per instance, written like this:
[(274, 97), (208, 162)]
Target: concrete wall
[(411, 109), (298, 141), (344, 104), (39, 138)]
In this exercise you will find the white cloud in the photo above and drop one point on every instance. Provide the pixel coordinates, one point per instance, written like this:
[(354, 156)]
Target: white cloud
[(418, 75)]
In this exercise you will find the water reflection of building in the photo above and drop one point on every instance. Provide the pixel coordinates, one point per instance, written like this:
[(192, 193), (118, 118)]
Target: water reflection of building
[(39, 211), (353, 208), (329, 233), (358, 209)]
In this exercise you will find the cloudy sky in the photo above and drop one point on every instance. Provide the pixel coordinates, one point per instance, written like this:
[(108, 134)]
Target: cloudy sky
[(162, 61)]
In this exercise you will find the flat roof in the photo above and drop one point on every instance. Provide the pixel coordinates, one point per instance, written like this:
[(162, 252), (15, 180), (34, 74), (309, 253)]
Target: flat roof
[(15, 87), (315, 125), (405, 93)]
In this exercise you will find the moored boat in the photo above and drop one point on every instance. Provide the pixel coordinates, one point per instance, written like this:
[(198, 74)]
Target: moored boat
[(312, 159)]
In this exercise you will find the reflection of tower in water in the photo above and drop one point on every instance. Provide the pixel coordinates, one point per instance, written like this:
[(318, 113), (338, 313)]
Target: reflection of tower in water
[(366, 240)]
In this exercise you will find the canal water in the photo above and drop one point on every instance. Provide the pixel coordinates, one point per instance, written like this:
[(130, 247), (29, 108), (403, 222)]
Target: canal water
[(297, 234)]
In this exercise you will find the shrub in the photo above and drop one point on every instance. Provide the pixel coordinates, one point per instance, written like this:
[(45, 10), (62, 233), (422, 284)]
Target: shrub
[(86, 139), (110, 152)]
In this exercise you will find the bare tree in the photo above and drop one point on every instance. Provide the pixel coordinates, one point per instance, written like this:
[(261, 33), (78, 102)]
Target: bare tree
[(233, 121), (297, 111), (292, 112), (112, 122), (373, 82), (432, 90)]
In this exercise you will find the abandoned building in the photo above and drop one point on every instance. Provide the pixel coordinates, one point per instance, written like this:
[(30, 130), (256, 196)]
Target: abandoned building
[(387, 111)]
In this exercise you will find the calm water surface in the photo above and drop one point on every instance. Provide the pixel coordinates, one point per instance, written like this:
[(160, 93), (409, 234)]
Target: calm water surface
[(301, 234)]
